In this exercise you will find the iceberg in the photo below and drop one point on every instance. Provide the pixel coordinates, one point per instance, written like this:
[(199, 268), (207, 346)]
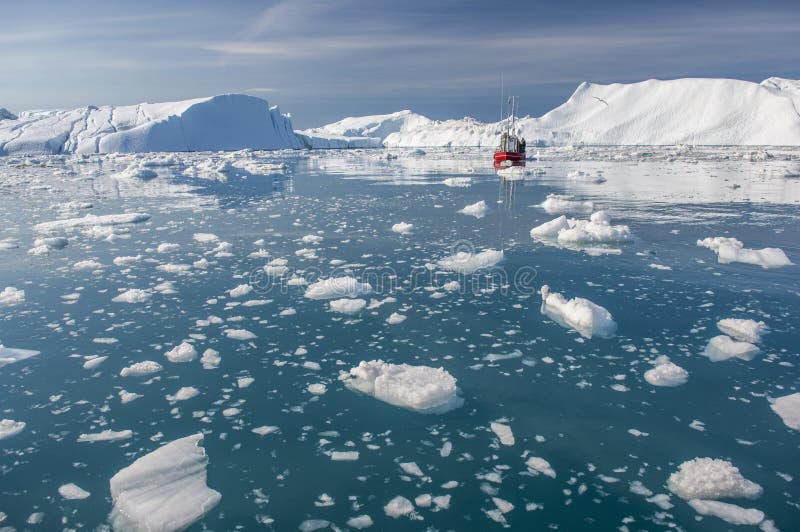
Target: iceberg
[(788, 408), (164, 490), (711, 478), (666, 373), (225, 122), (10, 355), (732, 250), (337, 287), (465, 262), (579, 314), (419, 388), (743, 330), (724, 347), (730, 513), (9, 427)]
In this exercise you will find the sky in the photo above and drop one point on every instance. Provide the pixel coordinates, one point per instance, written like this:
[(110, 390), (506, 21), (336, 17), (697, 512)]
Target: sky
[(322, 60)]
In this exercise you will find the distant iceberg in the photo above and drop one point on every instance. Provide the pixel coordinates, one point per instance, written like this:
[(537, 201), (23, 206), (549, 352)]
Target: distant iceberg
[(226, 122)]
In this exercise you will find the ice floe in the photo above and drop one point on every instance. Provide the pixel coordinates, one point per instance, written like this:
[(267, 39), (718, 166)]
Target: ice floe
[(11, 296), (184, 352), (164, 490), (732, 250), (788, 408), (140, 369), (403, 228), (724, 347), (555, 204), (10, 355), (73, 492), (666, 373), (133, 295), (105, 435), (730, 513), (347, 306), (418, 388), (465, 262), (398, 507), (337, 287), (743, 330), (711, 478), (537, 465), (579, 314), (9, 427), (91, 220), (478, 209), (503, 432)]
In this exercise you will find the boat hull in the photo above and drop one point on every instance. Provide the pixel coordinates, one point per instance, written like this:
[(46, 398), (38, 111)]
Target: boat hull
[(513, 156)]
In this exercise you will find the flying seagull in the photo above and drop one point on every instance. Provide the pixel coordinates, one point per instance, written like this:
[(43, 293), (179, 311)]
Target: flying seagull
[(600, 100)]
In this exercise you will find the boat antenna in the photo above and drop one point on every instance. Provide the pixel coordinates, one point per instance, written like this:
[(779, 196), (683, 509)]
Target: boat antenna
[(501, 96)]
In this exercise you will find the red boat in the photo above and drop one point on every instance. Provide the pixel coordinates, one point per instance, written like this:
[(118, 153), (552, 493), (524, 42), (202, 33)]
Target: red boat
[(511, 151)]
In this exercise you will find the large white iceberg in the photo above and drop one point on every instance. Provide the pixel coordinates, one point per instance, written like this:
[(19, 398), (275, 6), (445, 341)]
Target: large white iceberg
[(666, 373), (418, 388), (164, 490), (724, 347), (226, 122), (579, 314), (711, 478), (743, 330), (362, 131), (9, 355), (652, 112)]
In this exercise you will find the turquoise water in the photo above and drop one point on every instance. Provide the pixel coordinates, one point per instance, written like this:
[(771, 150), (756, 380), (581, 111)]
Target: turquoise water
[(567, 399)]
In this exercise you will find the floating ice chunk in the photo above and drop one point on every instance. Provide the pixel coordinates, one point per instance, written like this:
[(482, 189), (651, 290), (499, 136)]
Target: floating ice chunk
[(164, 490), (398, 507), (183, 394), (205, 238), (730, 513), (87, 265), (134, 295), (503, 432), (732, 250), (411, 468), (139, 369), (348, 306), (126, 260), (711, 478), (418, 388), (184, 352), (360, 522), (788, 408), (597, 230), (43, 246), (317, 389), (478, 210), (244, 382), (11, 296), (167, 247), (93, 362), (310, 525), (344, 456), (91, 220), (395, 318), (126, 397), (666, 373), (276, 267), (241, 290), (403, 228), (579, 314), (10, 355), (105, 435), (210, 359), (337, 287), (466, 263), (312, 239), (537, 465), (136, 171), (724, 347), (9, 427), (264, 430), (555, 204), (550, 229), (73, 492), (239, 334), (743, 330), (460, 182)]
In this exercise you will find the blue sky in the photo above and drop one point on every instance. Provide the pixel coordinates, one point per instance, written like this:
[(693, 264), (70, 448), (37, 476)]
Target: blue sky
[(322, 60)]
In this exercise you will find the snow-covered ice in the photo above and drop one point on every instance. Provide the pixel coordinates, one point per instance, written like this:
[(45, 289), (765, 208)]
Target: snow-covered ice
[(580, 314), (666, 373), (788, 408), (742, 330), (163, 490), (465, 262), (732, 250), (724, 347), (337, 287), (711, 478), (419, 388)]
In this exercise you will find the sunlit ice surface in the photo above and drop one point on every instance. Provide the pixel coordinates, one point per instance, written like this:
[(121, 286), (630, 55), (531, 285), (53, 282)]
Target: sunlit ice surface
[(535, 420)]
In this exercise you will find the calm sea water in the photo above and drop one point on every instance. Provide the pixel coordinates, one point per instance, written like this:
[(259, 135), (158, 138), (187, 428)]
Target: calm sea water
[(567, 399)]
